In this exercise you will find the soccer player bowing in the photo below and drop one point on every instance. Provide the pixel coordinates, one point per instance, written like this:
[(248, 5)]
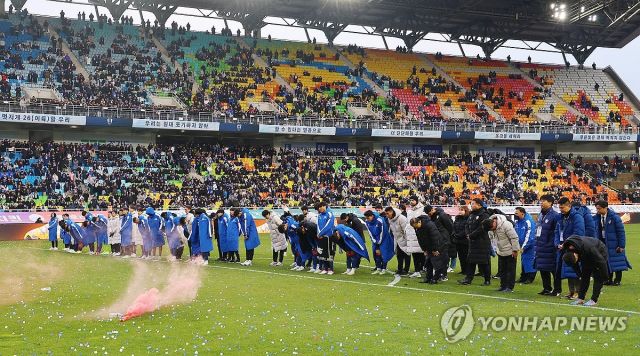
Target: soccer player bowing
[(588, 258), (432, 243), (352, 244)]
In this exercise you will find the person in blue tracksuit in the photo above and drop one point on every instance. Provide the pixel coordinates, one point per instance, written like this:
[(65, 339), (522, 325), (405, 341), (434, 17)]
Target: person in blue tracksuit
[(525, 228), (289, 228), (250, 232), (382, 244), (352, 244), (126, 233), (53, 231), (610, 230), (156, 236), (76, 231), (308, 242), (223, 223), (145, 232), (87, 216), (545, 259), (326, 247), (589, 222), (175, 237), (570, 223), (202, 235), (233, 235), (90, 235), (65, 236), (100, 224)]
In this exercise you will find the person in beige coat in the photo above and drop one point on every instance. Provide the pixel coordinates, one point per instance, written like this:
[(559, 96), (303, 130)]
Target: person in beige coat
[(505, 239)]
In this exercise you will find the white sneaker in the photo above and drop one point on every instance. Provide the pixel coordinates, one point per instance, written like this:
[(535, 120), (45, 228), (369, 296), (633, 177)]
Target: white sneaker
[(159, 258), (279, 264), (449, 270), (351, 272), (294, 268), (323, 272), (133, 255), (272, 263), (312, 270), (300, 268), (117, 254), (249, 262), (415, 275), (319, 271), (50, 248), (330, 273), (384, 271), (293, 265), (347, 271), (204, 263), (55, 248), (376, 272)]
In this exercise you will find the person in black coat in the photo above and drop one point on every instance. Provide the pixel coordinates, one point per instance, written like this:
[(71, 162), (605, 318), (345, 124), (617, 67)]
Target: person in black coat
[(352, 221), (216, 233), (445, 226), (588, 258), (479, 244), (433, 245), (460, 239)]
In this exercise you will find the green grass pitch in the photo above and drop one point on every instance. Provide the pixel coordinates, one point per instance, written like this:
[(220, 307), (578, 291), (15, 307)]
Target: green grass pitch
[(264, 310)]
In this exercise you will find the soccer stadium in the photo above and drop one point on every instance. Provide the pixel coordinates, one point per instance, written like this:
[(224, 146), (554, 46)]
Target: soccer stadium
[(297, 177)]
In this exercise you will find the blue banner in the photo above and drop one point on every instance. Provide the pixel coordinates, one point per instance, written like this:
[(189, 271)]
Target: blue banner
[(239, 127), (340, 131), (556, 137), (108, 121), (454, 135)]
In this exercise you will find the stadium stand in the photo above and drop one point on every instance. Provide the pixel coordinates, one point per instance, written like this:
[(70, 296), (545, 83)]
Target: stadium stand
[(44, 175), (216, 75)]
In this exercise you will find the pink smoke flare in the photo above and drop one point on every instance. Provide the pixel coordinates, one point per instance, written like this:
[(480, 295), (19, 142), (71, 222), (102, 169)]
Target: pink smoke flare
[(145, 303)]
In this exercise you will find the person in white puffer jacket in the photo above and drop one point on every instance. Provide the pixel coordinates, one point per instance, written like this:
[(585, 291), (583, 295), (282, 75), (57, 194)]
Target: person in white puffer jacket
[(113, 229), (413, 247), (416, 209), (398, 224), (278, 239)]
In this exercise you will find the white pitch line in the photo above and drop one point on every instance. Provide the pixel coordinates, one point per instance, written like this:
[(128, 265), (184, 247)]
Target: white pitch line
[(395, 280), (390, 285)]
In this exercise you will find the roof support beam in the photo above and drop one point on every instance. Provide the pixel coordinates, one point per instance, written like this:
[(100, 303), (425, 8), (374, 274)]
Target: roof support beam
[(160, 11), (116, 7), (331, 30), (18, 4)]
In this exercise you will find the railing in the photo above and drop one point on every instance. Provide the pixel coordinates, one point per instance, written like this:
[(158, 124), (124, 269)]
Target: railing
[(315, 120)]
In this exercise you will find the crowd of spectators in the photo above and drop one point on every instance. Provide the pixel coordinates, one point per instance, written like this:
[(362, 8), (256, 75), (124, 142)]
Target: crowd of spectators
[(126, 82), (78, 176)]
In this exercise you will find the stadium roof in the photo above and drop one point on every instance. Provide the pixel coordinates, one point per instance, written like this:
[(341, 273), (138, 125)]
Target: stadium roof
[(574, 26)]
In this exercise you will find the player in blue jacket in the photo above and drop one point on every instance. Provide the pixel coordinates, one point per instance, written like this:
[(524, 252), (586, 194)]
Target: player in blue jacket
[(250, 232), (156, 236), (569, 223), (223, 223), (326, 248), (65, 236), (589, 222), (126, 233), (526, 229), (175, 236), (352, 244), (100, 224), (53, 231), (382, 243), (290, 227)]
